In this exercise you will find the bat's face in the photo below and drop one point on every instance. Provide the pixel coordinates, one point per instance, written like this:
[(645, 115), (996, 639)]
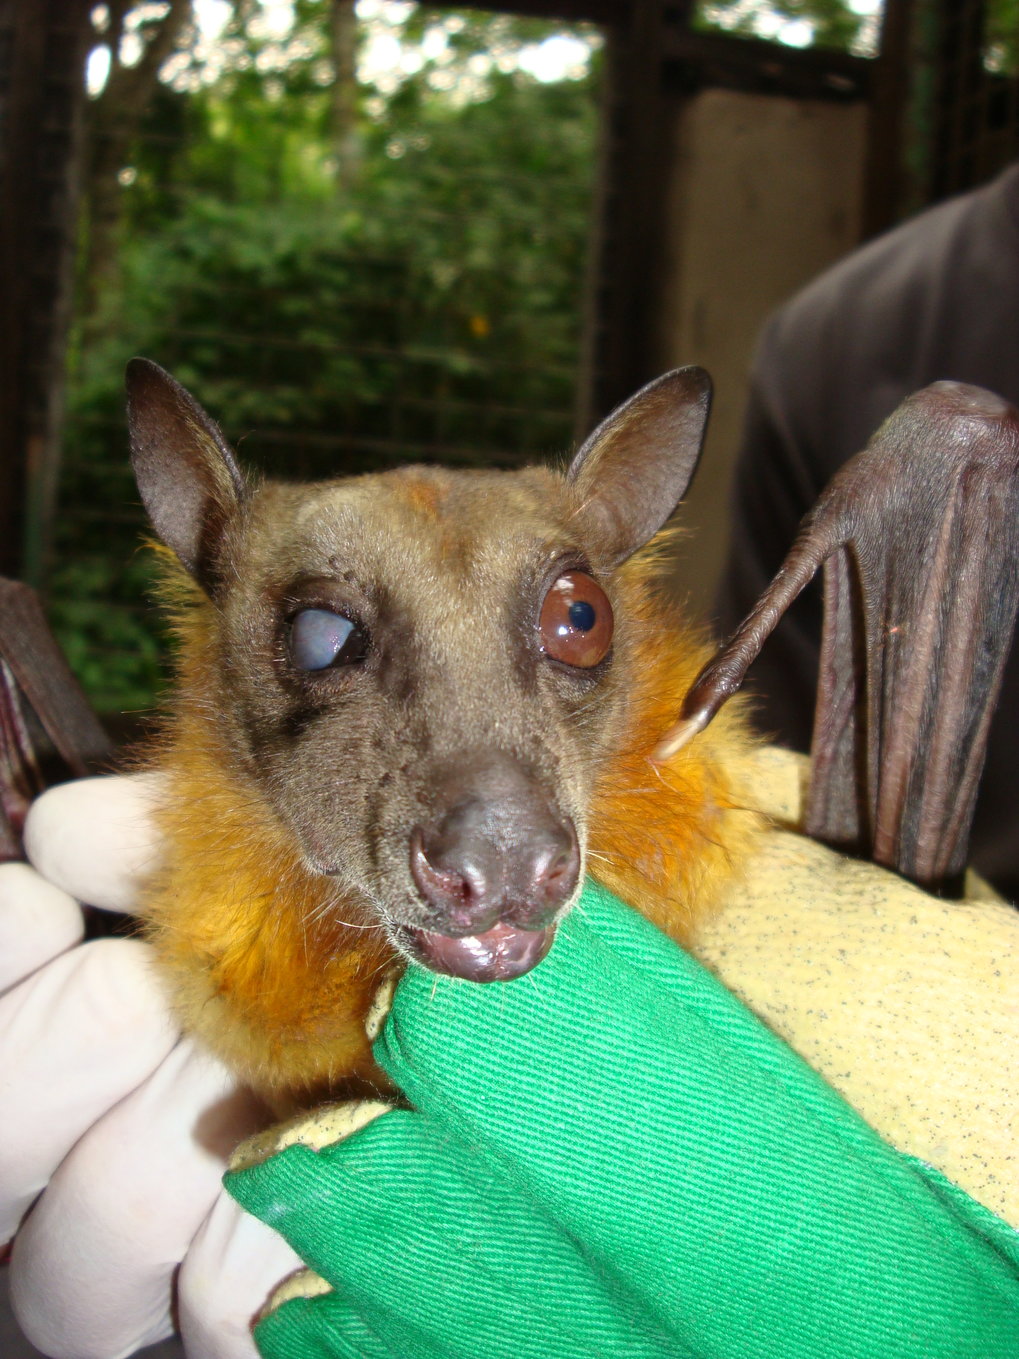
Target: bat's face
[(422, 671)]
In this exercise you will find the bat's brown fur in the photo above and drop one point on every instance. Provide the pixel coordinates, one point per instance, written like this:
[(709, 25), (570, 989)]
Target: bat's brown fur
[(275, 971)]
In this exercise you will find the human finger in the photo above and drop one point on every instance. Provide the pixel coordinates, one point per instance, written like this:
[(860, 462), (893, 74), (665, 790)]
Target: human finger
[(234, 1265), (93, 1267), (75, 1038), (37, 922), (96, 838)]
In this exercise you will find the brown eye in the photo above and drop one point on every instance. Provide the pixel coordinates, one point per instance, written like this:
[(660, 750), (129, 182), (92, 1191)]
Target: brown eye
[(576, 621)]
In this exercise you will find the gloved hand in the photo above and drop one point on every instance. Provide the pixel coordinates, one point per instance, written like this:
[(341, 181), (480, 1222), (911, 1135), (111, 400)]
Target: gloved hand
[(612, 1156), (87, 1299), (125, 1126)]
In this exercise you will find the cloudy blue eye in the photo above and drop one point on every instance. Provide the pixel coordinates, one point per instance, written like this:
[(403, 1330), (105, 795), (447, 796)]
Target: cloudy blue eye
[(320, 638)]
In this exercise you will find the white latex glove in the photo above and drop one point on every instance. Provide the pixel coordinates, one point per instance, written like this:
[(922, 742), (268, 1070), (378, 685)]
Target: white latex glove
[(126, 1128)]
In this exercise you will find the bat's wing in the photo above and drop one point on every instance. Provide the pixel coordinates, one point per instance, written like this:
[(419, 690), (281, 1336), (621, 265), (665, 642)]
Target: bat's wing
[(44, 716), (920, 536)]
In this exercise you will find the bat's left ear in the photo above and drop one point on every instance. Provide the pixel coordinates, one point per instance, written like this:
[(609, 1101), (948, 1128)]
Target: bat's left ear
[(186, 472), (634, 469)]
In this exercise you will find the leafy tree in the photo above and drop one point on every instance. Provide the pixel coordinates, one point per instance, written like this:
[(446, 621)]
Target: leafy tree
[(350, 265), (153, 32), (1001, 48), (797, 23)]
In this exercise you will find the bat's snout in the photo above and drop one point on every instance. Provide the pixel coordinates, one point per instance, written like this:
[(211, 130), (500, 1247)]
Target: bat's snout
[(493, 870)]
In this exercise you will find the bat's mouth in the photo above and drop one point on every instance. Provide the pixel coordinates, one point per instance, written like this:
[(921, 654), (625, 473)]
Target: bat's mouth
[(499, 954)]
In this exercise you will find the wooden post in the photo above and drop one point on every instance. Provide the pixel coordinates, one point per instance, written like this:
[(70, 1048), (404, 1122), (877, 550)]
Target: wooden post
[(620, 341), (884, 170), (41, 107)]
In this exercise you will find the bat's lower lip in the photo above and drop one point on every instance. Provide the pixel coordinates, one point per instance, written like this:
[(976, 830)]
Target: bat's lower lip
[(500, 954)]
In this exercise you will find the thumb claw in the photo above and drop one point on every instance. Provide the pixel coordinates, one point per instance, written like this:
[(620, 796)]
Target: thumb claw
[(677, 737)]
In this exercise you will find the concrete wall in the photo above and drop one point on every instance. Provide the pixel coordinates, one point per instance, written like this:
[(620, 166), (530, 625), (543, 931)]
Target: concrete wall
[(766, 192)]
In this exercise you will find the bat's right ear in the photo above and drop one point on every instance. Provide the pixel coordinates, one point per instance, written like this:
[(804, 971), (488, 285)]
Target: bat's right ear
[(632, 471), (188, 477)]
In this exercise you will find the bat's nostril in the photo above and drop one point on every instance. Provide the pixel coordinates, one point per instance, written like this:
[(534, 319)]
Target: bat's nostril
[(557, 871), (445, 878)]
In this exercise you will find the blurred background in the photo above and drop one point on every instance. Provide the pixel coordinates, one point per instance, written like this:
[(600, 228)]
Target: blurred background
[(364, 233)]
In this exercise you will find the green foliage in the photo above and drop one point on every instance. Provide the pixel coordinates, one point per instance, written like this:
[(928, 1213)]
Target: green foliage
[(799, 23), (1001, 29), (431, 310), (110, 640)]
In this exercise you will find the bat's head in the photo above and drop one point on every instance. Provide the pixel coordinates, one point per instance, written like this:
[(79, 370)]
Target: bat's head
[(422, 672)]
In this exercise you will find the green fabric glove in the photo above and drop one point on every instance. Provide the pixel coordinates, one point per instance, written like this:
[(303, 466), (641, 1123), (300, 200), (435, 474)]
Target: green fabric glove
[(612, 1156)]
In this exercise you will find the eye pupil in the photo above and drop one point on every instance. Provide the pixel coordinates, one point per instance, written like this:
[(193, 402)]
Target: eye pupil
[(582, 615)]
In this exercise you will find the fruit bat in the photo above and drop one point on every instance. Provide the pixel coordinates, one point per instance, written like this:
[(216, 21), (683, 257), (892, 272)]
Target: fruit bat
[(413, 708)]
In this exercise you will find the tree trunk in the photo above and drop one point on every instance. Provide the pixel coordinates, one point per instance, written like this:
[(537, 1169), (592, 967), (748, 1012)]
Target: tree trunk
[(43, 45), (345, 137), (115, 119)]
